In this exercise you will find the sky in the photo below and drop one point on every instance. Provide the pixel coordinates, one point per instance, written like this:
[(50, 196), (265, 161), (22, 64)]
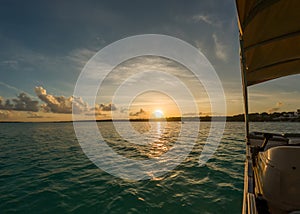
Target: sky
[(44, 45)]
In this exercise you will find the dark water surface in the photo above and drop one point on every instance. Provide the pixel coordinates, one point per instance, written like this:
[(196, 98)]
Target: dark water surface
[(43, 169)]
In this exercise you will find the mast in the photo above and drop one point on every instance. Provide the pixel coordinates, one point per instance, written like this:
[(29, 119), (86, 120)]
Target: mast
[(245, 90)]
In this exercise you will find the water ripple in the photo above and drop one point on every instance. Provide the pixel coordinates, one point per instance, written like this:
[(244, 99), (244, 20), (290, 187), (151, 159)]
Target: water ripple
[(43, 170)]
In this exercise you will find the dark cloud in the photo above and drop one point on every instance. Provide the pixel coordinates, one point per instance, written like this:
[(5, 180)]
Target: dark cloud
[(206, 113), (107, 107), (22, 103), (100, 108), (141, 112), (5, 104), (25, 103)]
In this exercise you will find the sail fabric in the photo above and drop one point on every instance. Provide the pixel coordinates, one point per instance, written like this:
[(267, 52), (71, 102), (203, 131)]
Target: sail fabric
[(270, 36)]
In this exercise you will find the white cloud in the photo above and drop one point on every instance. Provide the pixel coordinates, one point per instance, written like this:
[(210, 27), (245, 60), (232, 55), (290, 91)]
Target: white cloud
[(14, 88), (208, 19), (148, 63), (200, 45), (60, 104), (203, 18), (81, 56), (10, 63), (220, 48)]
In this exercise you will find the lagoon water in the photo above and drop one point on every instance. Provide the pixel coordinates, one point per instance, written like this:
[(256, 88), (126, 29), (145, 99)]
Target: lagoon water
[(44, 170)]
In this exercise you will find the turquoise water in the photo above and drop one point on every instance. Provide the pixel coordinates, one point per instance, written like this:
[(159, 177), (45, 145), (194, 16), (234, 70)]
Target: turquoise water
[(43, 169)]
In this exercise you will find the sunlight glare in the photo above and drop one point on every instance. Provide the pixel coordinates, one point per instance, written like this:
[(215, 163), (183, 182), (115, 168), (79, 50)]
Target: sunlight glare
[(158, 113)]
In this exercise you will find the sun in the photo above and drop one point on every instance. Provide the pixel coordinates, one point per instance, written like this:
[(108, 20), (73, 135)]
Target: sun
[(158, 113)]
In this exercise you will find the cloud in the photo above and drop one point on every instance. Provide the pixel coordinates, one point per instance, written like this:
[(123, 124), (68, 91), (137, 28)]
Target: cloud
[(146, 63), (25, 103), (81, 56), (277, 108), (7, 105), (200, 45), (5, 114), (279, 104), (123, 110), (34, 115), (191, 114), (271, 110), (22, 103), (209, 19), (79, 105), (14, 88), (95, 114), (206, 113), (203, 18), (220, 49), (100, 108), (10, 63), (60, 104), (106, 107), (141, 112)]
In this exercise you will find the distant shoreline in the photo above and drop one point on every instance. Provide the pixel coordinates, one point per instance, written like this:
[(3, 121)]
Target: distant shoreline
[(255, 117)]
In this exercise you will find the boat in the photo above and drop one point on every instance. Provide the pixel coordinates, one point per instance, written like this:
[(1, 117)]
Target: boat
[(269, 33)]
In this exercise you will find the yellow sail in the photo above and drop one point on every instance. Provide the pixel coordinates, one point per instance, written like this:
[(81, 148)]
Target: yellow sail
[(270, 39)]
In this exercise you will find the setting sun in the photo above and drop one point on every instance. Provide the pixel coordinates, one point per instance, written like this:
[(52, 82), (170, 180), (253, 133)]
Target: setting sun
[(158, 113)]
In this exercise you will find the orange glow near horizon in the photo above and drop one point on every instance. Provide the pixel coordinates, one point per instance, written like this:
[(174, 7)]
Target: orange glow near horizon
[(153, 104), (158, 113)]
